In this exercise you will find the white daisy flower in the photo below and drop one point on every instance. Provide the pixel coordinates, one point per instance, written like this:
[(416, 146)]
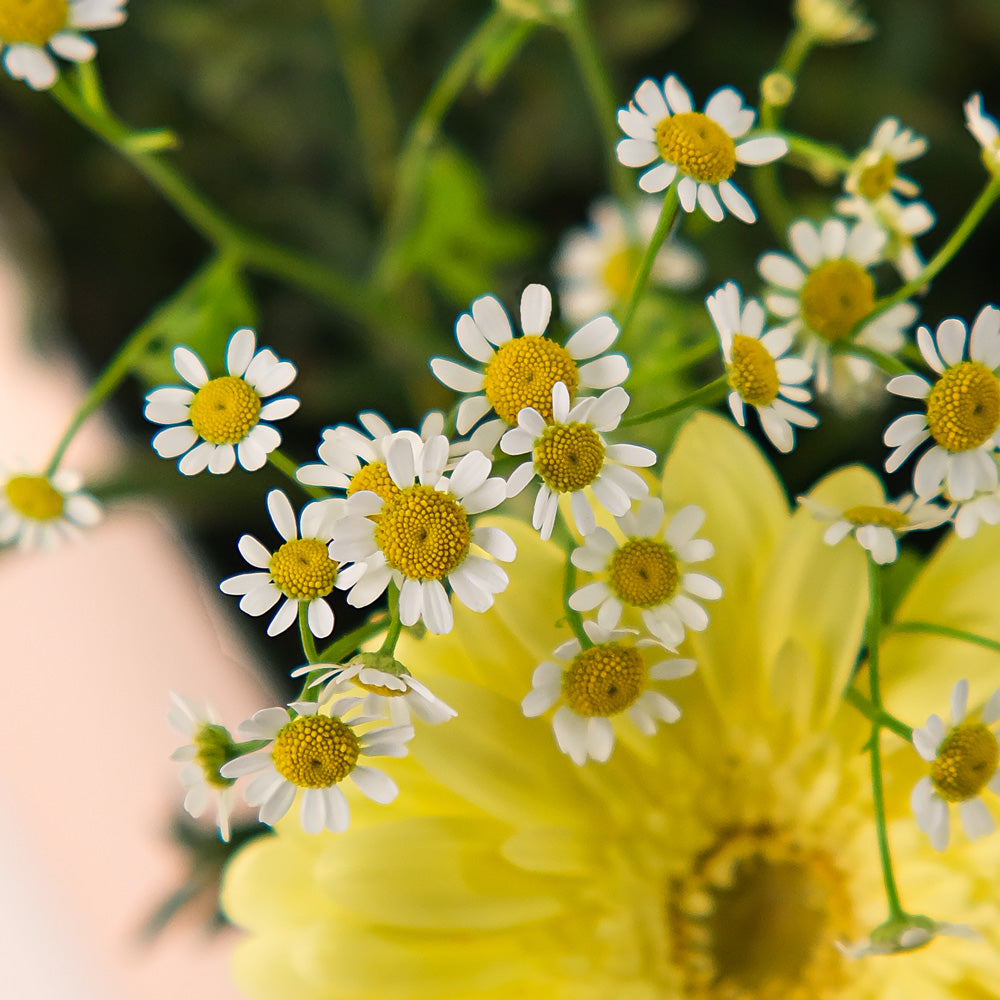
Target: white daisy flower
[(314, 753), (219, 420), (32, 32), (986, 132), (904, 934), (422, 538), (600, 682), (41, 510), (569, 455), (696, 147), (597, 265), (980, 508), (833, 22), (648, 571), (210, 747), (515, 372), (963, 759), (759, 374), (300, 570), (962, 410), (827, 289)]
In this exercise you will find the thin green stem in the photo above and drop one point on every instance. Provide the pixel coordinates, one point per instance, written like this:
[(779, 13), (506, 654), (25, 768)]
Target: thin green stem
[(288, 468), (388, 647), (889, 364), (347, 644), (797, 47), (707, 395), (929, 628), (884, 719), (706, 348), (820, 153), (573, 618), (305, 634)]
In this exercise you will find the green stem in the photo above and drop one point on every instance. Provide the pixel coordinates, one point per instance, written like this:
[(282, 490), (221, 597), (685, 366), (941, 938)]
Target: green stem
[(821, 153), (929, 628), (878, 715), (706, 348), (889, 364), (797, 47), (288, 468), (573, 618), (388, 646), (347, 644), (707, 395), (308, 642)]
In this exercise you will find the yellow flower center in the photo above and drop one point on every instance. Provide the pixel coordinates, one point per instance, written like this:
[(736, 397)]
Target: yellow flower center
[(303, 569), (32, 21), (963, 408), (315, 751), (375, 477), (836, 296), (224, 410), (569, 457), (753, 372), (619, 273), (877, 180), (34, 497), (604, 680), (699, 146), (379, 689), (644, 573), (423, 533), (213, 750), (965, 762), (884, 517), (523, 372)]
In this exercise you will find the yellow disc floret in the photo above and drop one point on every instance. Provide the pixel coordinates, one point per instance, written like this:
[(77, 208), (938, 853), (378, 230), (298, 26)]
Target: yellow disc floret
[(884, 517), (965, 762), (375, 477), (644, 573), (963, 408), (315, 751), (877, 179), (523, 372), (835, 297), (213, 747), (302, 569), (225, 410), (569, 456), (699, 146), (423, 533), (32, 21), (753, 373), (604, 680), (34, 497)]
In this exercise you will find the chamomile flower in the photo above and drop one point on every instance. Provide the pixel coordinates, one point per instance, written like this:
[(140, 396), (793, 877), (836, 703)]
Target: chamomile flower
[(218, 420), (421, 538), (905, 933), (833, 22), (32, 32), (648, 571), (981, 508), (515, 372), (300, 570), (38, 510), (312, 753), (963, 759), (695, 148), (759, 374), (962, 410), (599, 683), (569, 455), (986, 132)]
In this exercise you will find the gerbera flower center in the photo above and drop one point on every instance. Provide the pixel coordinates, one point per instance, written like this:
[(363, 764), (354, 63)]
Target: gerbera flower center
[(604, 680), (753, 372), (225, 409), (965, 762), (877, 180), (315, 751), (423, 533), (375, 477), (644, 573), (32, 21), (523, 372), (303, 569), (836, 296), (569, 456), (619, 273), (34, 497), (963, 408), (699, 146), (884, 517), (214, 748)]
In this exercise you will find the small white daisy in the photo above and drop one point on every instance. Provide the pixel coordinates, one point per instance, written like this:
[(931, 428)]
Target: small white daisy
[(986, 132), (598, 683), (301, 570), (40, 510), (648, 571), (962, 410), (422, 537), (32, 32), (903, 934), (963, 759), (219, 420), (312, 753), (980, 508), (514, 372), (569, 455), (698, 147), (833, 22)]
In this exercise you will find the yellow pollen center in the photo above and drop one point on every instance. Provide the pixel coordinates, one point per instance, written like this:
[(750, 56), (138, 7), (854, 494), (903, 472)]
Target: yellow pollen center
[(32, 21), (315, 751), (523, 372), (699, 146), (569, 457), (213, 750), (619, 273), (303, 569), (34, 497), (644, 573), (836, 295), (224, 410), (375, 477), (963, 408), (423, 533), (385, 692), (884, 517), (877, 179), (753, 372), (604, 680), (965, 762)]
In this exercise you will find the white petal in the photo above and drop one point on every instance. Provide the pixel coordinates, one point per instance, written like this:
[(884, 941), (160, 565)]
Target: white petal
[(592, 338), (737, 202), (174, 441), (284, 618), (765, 149), (189, 366), (456, 376), (375, 784), (320, 618), (536, 309), (492, 319), (254, 552), (280, 509), (657, 178), (240, 351), (976, 819), (196, 460), (951, 334), (470, 338)]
